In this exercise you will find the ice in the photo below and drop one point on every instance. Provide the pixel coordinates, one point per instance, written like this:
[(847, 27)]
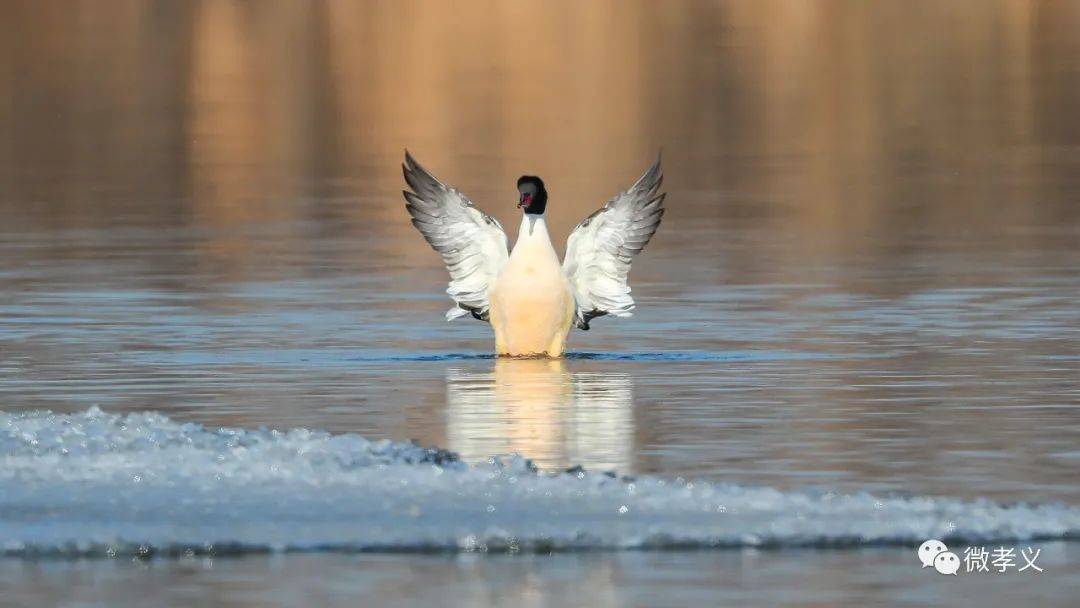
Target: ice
[(97, 483)]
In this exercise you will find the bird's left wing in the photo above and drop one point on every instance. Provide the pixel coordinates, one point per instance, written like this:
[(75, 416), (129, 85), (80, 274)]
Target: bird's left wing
[(600, 249), (472, 244)]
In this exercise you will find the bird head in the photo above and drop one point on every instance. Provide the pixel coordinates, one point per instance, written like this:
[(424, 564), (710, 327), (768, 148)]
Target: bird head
[(533, 195)]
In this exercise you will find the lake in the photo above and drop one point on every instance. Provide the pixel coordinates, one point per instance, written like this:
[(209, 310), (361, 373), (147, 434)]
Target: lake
[(857, 326)]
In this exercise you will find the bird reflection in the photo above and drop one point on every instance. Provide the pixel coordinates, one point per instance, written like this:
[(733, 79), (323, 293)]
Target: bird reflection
[(539, 409)]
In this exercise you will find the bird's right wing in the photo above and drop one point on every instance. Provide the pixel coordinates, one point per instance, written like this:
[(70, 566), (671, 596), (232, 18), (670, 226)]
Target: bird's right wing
[(472, 244)]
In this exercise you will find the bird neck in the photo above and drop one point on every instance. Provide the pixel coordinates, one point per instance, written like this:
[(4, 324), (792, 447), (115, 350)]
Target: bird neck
[(533, 225), (533, 232)]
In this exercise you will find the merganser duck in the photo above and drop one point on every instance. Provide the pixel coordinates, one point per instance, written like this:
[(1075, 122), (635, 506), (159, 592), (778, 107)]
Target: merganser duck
[(528, 297)]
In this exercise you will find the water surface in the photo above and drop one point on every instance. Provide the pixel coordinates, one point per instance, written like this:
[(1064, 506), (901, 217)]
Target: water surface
[(866, 282)]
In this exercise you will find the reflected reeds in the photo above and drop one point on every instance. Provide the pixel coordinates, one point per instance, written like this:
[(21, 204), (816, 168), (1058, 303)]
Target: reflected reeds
[(870, 114)]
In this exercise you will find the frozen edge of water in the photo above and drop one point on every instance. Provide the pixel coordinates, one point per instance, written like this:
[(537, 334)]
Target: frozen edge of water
[(95, 484)]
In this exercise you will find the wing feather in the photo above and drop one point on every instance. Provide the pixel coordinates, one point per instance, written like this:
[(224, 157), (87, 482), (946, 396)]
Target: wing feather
[(472, 243), (601, 248)]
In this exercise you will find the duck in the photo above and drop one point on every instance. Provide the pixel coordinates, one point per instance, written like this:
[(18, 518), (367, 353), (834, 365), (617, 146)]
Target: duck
[(531, 299)]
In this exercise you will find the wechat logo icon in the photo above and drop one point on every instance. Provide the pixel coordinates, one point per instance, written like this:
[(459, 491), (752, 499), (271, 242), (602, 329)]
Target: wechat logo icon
[(934, 554)]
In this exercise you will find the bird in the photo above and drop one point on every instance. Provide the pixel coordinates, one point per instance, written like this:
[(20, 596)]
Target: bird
[(529, 298)]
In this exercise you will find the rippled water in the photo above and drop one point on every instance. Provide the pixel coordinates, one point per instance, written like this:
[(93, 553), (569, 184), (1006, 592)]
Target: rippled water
[(865, 290)]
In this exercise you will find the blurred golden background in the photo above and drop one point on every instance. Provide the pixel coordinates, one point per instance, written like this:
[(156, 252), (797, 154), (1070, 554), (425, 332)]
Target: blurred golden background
[(833, 123)]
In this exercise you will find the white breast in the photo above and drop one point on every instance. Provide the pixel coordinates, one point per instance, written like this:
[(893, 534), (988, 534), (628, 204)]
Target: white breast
[(532, 306)]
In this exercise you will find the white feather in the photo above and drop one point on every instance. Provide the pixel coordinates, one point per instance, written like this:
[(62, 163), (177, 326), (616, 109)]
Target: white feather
[(601, 248), (472, 244)]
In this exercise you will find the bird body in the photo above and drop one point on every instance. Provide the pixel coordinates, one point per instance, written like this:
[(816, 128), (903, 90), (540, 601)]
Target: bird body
[(532, 305), (531, 300)]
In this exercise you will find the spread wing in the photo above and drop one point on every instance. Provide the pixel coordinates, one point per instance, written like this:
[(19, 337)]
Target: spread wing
[(600, 249), (472, 244)]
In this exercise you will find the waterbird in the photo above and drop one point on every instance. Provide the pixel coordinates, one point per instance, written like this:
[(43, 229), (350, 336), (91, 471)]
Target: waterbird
[(531, 299)]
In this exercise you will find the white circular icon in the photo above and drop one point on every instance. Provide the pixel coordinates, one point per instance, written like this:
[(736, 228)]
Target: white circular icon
[(929, 550), (947, 562)]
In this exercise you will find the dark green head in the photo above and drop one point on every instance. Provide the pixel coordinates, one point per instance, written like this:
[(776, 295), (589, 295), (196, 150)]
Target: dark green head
[(533, 194)]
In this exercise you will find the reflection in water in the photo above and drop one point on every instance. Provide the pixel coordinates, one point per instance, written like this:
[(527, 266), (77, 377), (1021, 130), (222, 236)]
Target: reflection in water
[(538, 408)]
